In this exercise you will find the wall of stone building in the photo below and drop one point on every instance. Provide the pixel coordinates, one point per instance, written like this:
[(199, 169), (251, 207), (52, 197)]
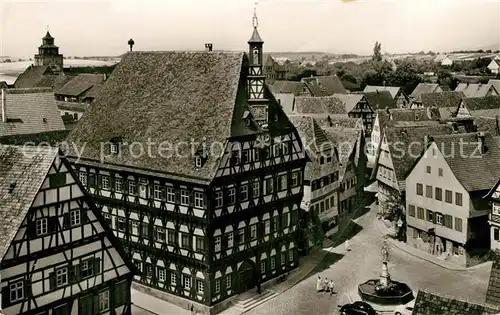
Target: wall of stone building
[(441, 248)]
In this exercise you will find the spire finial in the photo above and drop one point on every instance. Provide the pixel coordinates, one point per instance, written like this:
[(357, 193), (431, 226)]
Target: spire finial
[(47, 28), (255, 21)]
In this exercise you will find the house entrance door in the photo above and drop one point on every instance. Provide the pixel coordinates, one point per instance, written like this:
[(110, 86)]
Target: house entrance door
[(247, 277)]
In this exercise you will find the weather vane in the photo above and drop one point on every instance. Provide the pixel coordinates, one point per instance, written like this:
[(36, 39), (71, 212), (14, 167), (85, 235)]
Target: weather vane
[(255, 20)]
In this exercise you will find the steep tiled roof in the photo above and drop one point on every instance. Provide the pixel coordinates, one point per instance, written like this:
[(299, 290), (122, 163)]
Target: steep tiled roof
[(403, 154), (316, 143), (30, 77), (350, 100), (172, 97), (338, 121), (282, 86), (380, 100), (53, 138), (442, 99), (475, 171), (80, 84), (437, 304), (30, 111), (475, 89), (493, 292), (345, 141), (482, 103), (393, 90), (22, 172), (423, 88), (324, 85), (319, 105)]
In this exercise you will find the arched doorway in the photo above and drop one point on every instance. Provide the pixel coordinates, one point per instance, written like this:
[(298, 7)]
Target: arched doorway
[(247, 276)]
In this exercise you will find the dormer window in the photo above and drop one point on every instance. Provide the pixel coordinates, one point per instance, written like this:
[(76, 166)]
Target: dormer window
[(417, 117), (248, 122), (114, 148), (276, 117), (199, 158)]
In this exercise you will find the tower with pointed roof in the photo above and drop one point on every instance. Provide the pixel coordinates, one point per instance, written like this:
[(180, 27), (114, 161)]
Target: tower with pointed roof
[(48, 53), (256, 78)]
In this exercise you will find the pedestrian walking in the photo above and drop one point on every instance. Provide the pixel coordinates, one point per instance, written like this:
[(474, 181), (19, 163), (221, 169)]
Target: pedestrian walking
[(192, 309), (347, 245), (331, 286), (318, 284), (325, 285), (258, 287)]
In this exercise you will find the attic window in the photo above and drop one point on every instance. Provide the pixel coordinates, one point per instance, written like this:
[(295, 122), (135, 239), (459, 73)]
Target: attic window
[(199, 158), (11, 187), (44, 120), (276, 117), (417, 117), (114, 148)]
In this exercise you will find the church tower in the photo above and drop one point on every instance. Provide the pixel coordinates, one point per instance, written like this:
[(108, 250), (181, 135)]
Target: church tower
[(48, 53), (256, 79)]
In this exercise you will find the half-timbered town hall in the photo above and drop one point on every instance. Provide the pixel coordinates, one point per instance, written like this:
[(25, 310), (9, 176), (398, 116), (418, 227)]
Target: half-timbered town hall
[(197, 170), (57, 254)]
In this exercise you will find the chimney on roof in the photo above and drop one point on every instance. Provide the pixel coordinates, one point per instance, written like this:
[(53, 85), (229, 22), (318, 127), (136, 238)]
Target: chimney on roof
[(4, 109), (480, 138), (208, 46)]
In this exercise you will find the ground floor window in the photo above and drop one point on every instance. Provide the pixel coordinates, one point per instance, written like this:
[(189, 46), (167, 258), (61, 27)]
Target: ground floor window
[(187, 282), (290, 255), (217, 285), (200, 286), (228, 281), (103, 301), (283, 258), (173, 279), (263, 266), (273, 262)]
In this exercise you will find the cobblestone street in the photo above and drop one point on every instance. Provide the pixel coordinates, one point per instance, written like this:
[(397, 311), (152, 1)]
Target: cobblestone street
[(363, 263)]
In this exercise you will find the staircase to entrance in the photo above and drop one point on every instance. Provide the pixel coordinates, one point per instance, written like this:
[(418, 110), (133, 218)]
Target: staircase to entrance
[(248, 301)]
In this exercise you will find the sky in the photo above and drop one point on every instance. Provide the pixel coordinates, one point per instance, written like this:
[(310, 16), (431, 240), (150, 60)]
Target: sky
[(102, 28)]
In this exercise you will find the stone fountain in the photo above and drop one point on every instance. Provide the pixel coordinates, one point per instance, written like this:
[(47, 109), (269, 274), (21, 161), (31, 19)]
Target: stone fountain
[(385, 292)]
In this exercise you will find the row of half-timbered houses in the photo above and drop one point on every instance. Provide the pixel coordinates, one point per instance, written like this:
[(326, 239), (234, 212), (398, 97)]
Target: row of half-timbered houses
[(57, 254), (210, 208)]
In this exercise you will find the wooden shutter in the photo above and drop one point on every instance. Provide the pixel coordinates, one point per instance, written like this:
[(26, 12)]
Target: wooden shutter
[(99, 181), (112, 183), (53, 223), (31, 229), (66, 220), (75, 273), (92, 180), (52, 280), (97, 266), (5, 296), (163, 193)]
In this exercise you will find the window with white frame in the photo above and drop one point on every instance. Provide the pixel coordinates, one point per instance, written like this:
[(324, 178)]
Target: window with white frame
[(231, 193), (230, 239), (41, 226), (255, 189), (184, 197), (114, 148), (217, 243), (118, 184), (157, 192), (200, 286), (283, 182), (160, 234), (217, 285), (61, 276), (173, 278), (439, 218), (269, 185), (131, 188), (83, 178), (74, 216), (295, 179), (170, 194), (135, 227), (253, 232), (187, 282), (198, 199), (103, 301), (228, 281), (267, 227), (105, 182), (263, 266), (283, 258), (218, 199), (273, 262), (290, 255), (197, 161), (16, 291), (161, 274)]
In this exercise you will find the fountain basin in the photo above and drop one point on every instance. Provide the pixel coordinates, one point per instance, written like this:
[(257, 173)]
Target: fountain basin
[(396, 293)]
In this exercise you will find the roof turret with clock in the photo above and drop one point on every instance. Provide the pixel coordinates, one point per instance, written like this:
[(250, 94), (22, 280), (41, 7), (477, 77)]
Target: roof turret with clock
[(256, 79)]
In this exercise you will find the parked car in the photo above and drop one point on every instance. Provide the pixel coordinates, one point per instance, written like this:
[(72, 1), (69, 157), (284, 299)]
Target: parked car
[(406, 309), (357, 308)]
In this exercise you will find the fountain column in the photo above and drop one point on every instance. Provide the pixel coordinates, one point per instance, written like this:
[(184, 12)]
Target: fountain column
[(385, 277)]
